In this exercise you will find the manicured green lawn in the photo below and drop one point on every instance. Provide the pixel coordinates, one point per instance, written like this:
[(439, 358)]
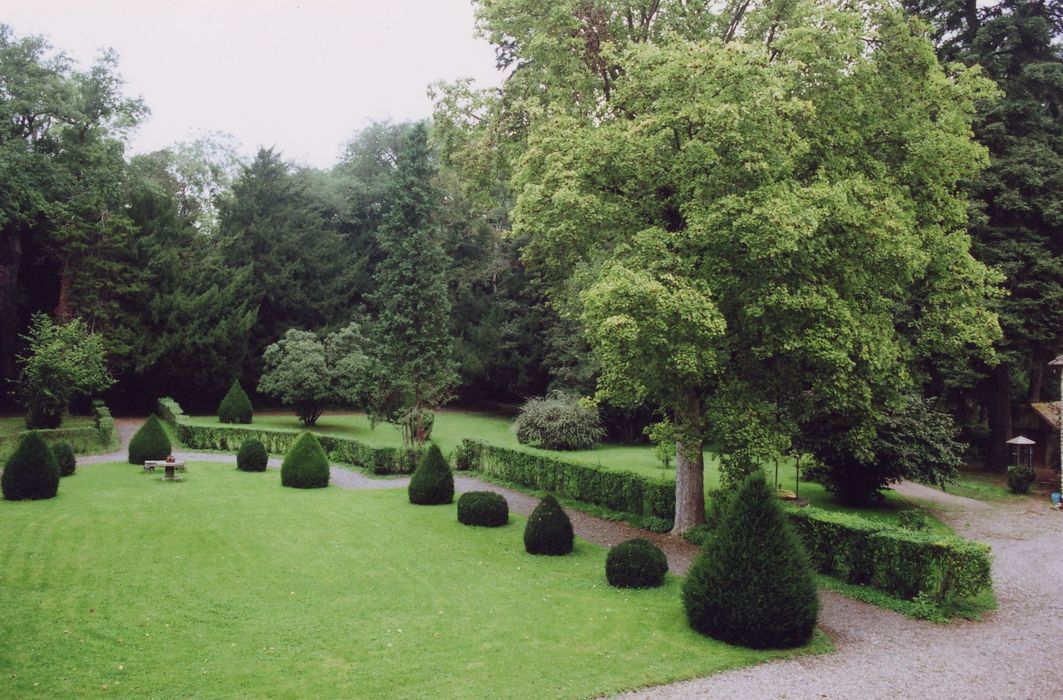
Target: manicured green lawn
[(452, 426), (984, 486), (228, 585)]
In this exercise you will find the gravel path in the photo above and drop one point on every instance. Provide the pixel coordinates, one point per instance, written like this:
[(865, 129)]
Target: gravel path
[(1016, 652)]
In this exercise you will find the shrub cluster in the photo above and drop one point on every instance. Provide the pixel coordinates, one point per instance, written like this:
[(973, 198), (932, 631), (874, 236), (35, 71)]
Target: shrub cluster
[(559, 422), (624, 492), (484, 508), (1020, 478), (636, 563), (252, 456), (306, 465), (432, 483), (902, 562), (104, 422), (467, 455), (150, 442), (380, 460), (235, 407), (913, 519), (31, 471), (549, 531), (752, 584), (64, 457)]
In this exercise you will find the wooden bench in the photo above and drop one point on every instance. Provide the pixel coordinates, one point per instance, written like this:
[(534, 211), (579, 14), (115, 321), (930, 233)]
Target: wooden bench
[(170, 468)]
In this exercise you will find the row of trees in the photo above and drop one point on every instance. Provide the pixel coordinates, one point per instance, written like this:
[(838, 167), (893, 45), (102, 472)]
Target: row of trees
[(763, 225)]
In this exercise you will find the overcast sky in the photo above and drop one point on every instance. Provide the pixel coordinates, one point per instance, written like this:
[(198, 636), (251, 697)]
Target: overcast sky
[(302, 75)]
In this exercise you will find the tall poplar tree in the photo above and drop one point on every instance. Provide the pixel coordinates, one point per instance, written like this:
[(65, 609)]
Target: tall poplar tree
[(414, 356)]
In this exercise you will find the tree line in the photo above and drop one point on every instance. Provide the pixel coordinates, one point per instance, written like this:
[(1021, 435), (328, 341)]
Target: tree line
[(778, 227)]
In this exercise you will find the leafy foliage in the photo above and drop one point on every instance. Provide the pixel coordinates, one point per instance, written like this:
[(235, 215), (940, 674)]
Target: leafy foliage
[(752, 584), (432, 483), (483, 508), (636, 563), (150, 442), (548, 530), (65, 460), (62, 361), (306, 465), (236, 406), (252, 456), (1020, 478), (308, 373), (31, 471), (559, 422)]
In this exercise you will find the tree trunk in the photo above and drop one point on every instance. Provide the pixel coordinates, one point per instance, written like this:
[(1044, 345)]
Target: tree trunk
[(1037, 379), (998, 412), (10, 262), (689, 487)]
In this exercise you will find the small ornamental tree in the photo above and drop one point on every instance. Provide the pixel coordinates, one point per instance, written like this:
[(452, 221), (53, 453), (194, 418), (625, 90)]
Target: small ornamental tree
[(31, 472), (559, 422), (235, 407), (752, 584), (306, 465), (549, 531), (62, 361), (150, 442), (64, 457), (308, 373), (252, 456), (432, 482)]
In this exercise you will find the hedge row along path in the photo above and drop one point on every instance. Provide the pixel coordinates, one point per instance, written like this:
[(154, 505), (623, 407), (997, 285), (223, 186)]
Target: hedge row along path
[(1015, 652)]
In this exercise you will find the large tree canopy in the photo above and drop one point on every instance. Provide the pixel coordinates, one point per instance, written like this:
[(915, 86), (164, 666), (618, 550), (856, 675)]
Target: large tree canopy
[(766, 230)]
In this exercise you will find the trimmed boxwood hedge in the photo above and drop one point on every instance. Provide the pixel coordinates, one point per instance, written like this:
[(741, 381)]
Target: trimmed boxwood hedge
[(235, 407), (433, 483), (902, 562), (252, 456), (64, 457), (305, 466), (483, 508), (150, 442), (636, 563), (228, 438), (30, 472), (548, 531), (625, 492)]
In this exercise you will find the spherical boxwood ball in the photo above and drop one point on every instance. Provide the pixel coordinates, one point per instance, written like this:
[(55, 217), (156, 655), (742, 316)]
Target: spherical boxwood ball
[(483, 508), (636, 563), (252, 456)]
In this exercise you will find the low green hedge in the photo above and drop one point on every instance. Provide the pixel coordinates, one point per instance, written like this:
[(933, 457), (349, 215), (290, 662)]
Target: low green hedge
[(229, 437), (902, 562), (86, 438), (625, 492)]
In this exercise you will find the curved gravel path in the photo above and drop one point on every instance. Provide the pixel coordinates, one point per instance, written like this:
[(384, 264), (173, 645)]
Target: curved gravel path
[(1016, 652)]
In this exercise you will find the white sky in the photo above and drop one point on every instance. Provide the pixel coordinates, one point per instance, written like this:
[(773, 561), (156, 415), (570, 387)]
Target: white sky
[(301, 75)]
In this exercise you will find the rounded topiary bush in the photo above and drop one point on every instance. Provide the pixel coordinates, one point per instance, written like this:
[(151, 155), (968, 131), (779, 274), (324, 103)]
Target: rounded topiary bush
[(484, 508), (636, 563), (235, 407), (64, 457), (252, 456), (1020, 478), (31, 471), (559, 422), (752, 584), (549, 531), (432, 482), (150, 442), (306, 465)]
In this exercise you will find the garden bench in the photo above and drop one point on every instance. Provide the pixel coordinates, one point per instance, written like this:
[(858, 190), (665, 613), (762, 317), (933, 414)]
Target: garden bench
[(170, 468)]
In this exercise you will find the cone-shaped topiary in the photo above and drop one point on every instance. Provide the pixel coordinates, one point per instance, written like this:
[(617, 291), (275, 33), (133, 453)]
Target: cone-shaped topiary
[(432, 482), (752, 584), (636, 563), (150, 442), (252, 456), (235, 407), (31, 472), (64, 457), (549, 531), (484, 508), (305, 466)]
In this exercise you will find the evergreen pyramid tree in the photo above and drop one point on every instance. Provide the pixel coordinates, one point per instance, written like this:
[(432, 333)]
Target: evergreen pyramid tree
[(549, 531), (432, 482), (235, 407), (752, 584), (150, 442), (31, 472), (306, 465)]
